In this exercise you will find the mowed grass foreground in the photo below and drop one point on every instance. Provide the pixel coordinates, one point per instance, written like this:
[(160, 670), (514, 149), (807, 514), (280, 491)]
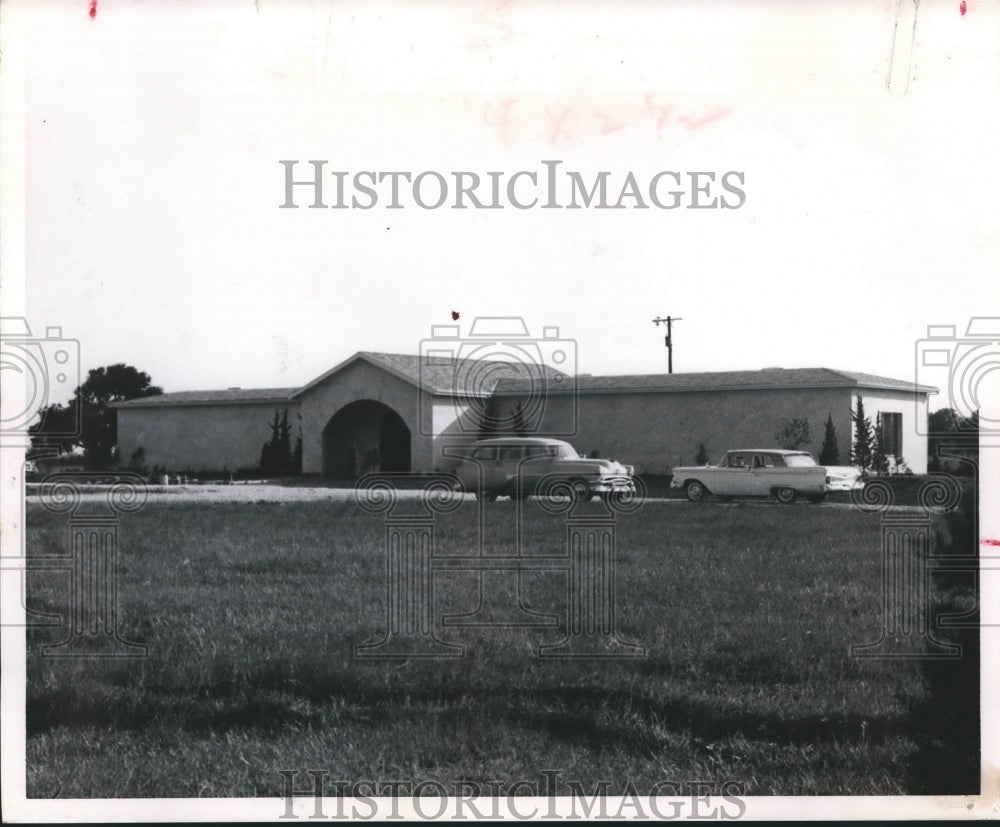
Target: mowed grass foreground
[(251, 613)]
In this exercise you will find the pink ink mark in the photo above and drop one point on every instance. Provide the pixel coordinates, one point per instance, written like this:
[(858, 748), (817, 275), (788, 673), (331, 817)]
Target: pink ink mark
[(962, 8), (697, 123), (607, 126), (503, 122), (558, 124), (989, 541), (658, 112), (93, 9)]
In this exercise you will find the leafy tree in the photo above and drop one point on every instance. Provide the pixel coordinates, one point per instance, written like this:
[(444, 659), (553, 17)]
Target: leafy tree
[(701, 458), (969, 426), (794, 434), (829, 454), (862, 448), (943, 421), (98, 423), (951, 435), (56, 430)]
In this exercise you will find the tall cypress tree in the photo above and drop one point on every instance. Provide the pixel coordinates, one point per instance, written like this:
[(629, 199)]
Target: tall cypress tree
[(830, 452), (880, 462), (276, 453), (861, 450)]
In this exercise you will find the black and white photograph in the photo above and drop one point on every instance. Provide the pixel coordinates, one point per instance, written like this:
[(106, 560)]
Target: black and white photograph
[(499, 410)]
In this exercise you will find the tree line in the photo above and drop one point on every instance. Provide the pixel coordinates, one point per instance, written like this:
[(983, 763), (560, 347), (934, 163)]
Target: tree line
[(87, 421)]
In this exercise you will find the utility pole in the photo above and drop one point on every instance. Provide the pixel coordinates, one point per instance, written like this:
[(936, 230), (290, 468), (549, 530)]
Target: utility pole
[(668, 340)]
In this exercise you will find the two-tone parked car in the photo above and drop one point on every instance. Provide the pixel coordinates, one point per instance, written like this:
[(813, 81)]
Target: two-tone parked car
[(756, 472), (518, 467)]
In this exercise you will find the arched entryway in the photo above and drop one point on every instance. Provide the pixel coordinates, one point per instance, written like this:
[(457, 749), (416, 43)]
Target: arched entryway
[(365, 436)]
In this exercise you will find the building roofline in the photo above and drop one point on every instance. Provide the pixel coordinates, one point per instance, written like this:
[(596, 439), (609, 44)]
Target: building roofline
[(683, 383), (370, 357), (700, 382), (202, 398), (915, 389), (360, 355)]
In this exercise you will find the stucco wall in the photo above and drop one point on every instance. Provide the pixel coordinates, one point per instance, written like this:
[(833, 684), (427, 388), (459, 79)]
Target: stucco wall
[(456, 425), (657, 431), (361, 380), (914, 422), (214, 437), (653, 431)]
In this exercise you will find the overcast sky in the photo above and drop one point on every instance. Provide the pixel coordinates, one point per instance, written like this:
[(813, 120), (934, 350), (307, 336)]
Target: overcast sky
[(154, 132)]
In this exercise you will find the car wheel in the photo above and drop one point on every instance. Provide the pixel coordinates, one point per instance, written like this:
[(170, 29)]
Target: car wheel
[(580, 491), (487, 496), (817, 498), (785, 495), (695, 491)]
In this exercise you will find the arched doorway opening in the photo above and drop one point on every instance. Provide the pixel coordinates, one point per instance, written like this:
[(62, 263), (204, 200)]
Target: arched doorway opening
[(365, 436)]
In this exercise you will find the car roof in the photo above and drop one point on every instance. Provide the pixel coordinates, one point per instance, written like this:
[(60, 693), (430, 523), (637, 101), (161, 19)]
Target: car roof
[(520, 440), (783, 451)]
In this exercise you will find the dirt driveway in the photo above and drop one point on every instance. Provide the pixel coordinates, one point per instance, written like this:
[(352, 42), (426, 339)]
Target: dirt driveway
[(234, 492)]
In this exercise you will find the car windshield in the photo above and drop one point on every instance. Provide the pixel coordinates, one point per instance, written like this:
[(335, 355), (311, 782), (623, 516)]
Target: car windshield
[(736, 460), (799, 461), (568, 452)]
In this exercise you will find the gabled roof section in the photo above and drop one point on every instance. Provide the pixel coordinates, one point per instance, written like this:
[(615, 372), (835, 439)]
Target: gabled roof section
[(868, 380), (767, 379), (232, 396), (446, 377)]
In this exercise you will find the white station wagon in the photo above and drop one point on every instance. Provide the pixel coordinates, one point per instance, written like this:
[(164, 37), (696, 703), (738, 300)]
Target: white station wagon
[(521, 466), (756, 472)]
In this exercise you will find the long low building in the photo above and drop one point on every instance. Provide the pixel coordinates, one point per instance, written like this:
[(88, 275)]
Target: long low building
[(399, 412)]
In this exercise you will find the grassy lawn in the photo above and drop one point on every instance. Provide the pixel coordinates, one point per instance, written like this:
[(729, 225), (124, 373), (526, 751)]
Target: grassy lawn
[(251, 613)]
